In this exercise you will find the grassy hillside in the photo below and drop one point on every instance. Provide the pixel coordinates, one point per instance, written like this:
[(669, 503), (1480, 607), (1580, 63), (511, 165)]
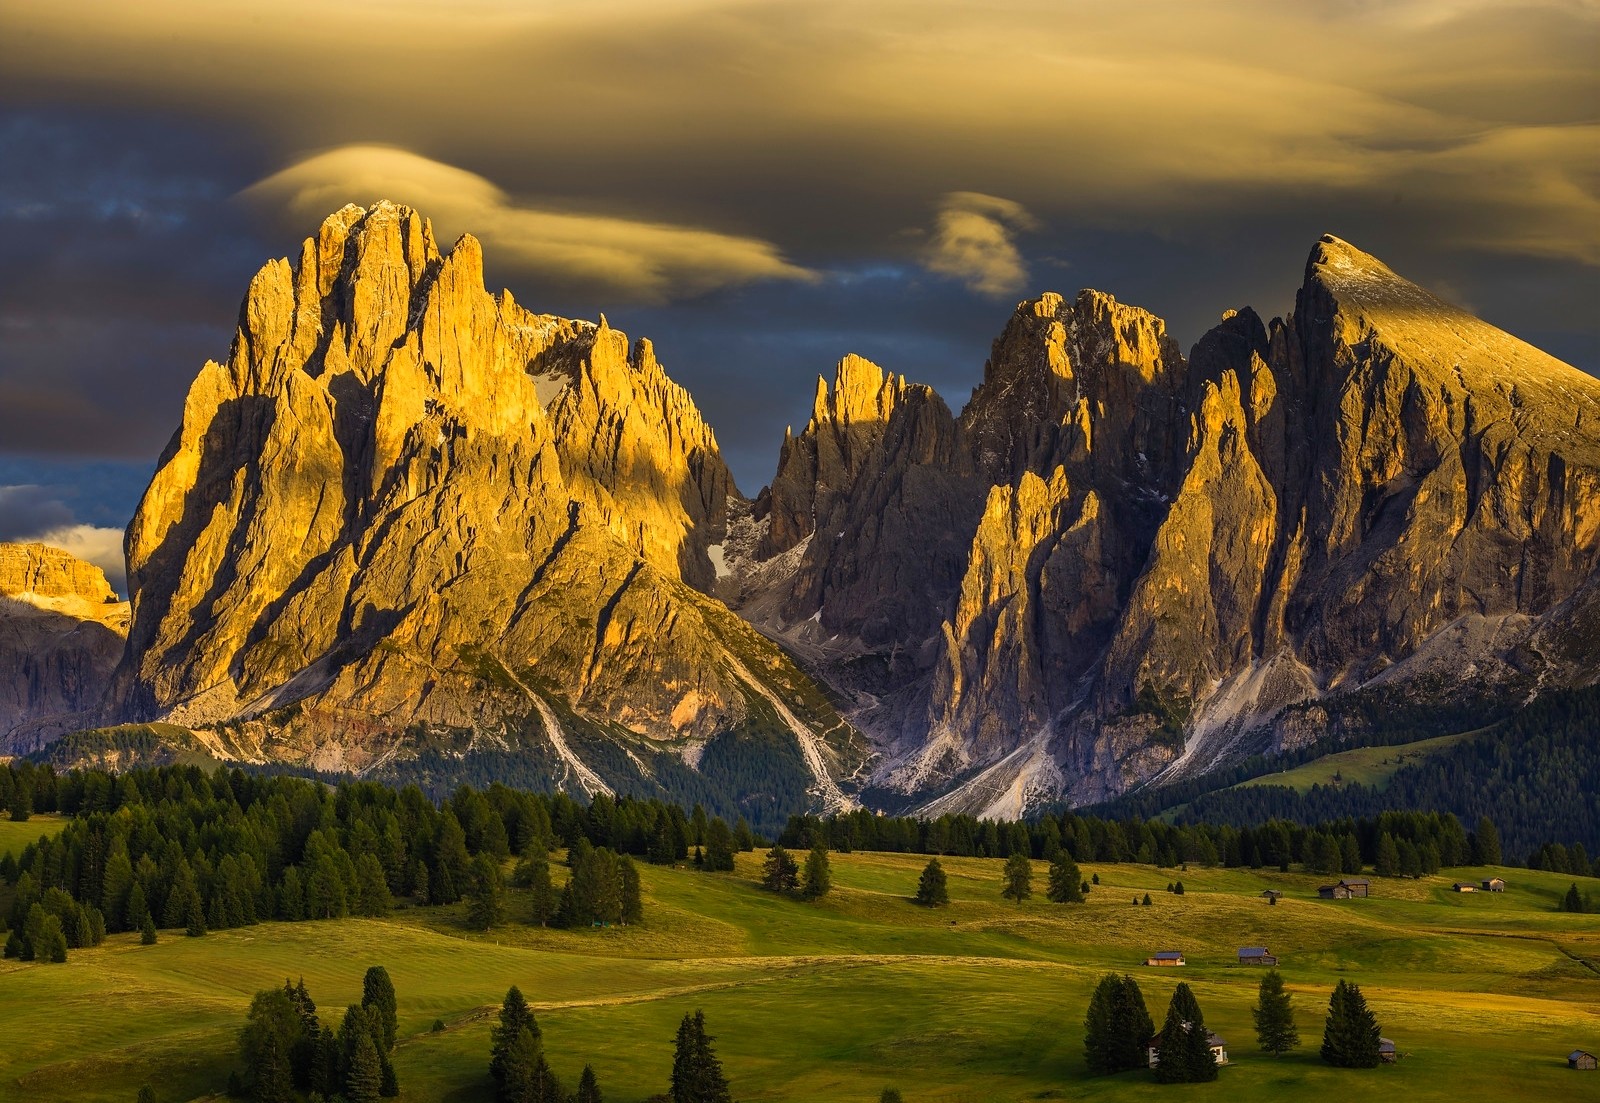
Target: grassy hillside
[(981, 1001), (1372, 766)]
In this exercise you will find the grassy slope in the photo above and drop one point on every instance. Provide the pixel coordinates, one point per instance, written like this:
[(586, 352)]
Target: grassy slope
[(1367, 765), (981, 1001)]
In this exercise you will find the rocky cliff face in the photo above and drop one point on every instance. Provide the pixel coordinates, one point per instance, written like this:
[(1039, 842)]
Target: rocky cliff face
[(406, 514), (1157, 555), (407, 518), (61, 635)]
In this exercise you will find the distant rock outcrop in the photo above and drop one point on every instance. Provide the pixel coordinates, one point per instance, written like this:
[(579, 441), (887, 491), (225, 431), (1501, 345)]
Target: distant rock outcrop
[(61, 636), (1159, 554)]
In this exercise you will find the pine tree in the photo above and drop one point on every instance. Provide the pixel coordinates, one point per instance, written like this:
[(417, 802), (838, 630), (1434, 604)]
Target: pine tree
[(1018, 878), (1350, 1035), (1387, 861), (136, 912), (1184, 1047), (1066, 880), (1275, 1030), (588, 1085), (1117, 1027), (486, 904), (372, 887), (377, 996), (1488, 843), (1572, 902), (195, 921), (932, 887), (147, 931), (1146, 900), (147, 1094), (819, 874), (720, 846), (891, 1095), (515, 1017), (363, 1079), (270, 1081), (778, 871), (632, 893), (743, 837), (696, 1071)]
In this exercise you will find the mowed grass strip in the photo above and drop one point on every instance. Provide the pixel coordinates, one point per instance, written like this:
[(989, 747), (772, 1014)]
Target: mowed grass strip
[(836, 999)]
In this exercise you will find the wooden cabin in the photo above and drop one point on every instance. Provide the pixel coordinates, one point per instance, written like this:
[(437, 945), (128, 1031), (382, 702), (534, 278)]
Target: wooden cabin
[(1271, 894), (1219, 1049), (1464, 886), (1256, 955), (1345, 890), (1494, 884), (1581, 1059), (1165, 957), (1386, 1051)]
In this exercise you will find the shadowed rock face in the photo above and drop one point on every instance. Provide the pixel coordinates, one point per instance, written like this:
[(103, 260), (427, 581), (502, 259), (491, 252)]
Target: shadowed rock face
[(61, 635), (1156, 555), (404, 505)]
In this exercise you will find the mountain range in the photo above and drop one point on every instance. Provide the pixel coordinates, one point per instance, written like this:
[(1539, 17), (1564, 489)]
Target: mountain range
[(411, 528)]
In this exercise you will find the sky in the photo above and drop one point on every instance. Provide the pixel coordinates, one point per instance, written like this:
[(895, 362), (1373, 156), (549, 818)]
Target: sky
[(760, 186)]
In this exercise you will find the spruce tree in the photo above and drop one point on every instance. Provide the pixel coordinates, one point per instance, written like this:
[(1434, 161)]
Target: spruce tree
[(1387, 861), (486, 904), (1488, 843), (1184, 1046), (819, 874), (1099, 1038), (1066, 880), (1131, 1025), (363, 1078), (1275, 1030), (779, 872), (136, 912), (1350, 1035), (270, 1081), (588, 1085), (743, 837), (720, 846), (515, 1017), (891, 1095), (632, 893), (933, 890), (1572, 902), (696, 1071), (1018, 878), (377, 996), (147, 1094), (147, 931), (195, 921)]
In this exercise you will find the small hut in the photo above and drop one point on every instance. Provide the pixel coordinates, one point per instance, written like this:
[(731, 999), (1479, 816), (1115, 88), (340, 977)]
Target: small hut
[(1581, 1059), (1494, 884), (1386, 1051), (1464, 886), (1165, 957), (1256, 955)]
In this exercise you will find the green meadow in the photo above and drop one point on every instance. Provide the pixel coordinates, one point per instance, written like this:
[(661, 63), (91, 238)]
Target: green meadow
[(1372, 766), (982, 1001), (15, 836)]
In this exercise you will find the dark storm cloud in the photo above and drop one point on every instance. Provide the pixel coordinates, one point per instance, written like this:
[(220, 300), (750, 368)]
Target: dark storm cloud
[(123, 265), (764, 186)]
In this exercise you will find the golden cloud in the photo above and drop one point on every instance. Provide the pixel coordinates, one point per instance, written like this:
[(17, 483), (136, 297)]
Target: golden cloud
[(646, 261), (972, 242)]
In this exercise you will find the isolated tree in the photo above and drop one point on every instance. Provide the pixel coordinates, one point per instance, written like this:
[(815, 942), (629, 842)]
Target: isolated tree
[(1066, 880), (891, 1095), (377, 996), (696, 1071), (486, 903), (1572, 901), (1146, 900), (932, 887), (1184, 1046), (588, 1085), (1350, 1035), (1117, 1026), (1018, 878), (147, 931), (819, 873), (515, 1018), (1177, 889), (779, 872), (147, 1094), (1275, 1030)]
